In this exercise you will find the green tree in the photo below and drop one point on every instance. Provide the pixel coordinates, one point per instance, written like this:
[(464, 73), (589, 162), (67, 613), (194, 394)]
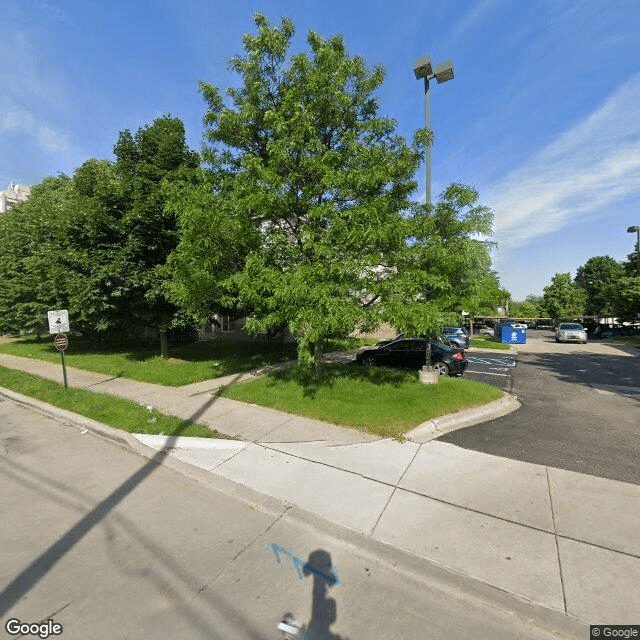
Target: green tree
[(627, 306), (631, 265), (563, 298), (97, 244), (442, 265), (530, 307), (600, 279), (307, 198), (302, 158), (33, 263), (157, 154)]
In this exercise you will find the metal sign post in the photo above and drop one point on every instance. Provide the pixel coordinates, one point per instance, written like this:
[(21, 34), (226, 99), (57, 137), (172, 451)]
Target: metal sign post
[(58, 324), (61, 342)]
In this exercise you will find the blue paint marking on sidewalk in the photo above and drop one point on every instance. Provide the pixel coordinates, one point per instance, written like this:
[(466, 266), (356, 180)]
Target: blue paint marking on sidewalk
[(302, 567)]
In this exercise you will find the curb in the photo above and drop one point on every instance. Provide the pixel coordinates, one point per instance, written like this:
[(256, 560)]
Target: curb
[(467, 417), (62, 415), (426, 573)]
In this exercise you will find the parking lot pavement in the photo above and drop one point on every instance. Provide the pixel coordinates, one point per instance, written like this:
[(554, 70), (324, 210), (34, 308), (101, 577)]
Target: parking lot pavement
[(580, 409), (493, 369)]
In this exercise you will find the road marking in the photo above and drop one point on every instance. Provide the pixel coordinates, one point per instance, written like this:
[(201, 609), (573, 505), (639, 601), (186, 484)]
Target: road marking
[(502, 361), (489, 373)]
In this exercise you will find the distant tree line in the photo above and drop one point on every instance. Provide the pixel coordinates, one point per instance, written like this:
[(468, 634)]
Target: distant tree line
[(298, 214), (602, 287)]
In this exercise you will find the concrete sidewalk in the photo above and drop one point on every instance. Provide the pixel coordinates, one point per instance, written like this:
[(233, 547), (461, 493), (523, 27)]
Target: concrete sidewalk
[(566, 541)]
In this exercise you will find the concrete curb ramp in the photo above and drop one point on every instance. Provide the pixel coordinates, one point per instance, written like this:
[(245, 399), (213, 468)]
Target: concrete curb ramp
[(467, 417)]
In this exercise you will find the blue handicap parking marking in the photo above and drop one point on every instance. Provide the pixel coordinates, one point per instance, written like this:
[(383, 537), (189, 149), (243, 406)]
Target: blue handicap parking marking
[(502, 362)]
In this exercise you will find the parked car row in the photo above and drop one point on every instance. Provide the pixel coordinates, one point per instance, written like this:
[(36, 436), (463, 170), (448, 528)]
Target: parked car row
[(606, 331), (488, 329)]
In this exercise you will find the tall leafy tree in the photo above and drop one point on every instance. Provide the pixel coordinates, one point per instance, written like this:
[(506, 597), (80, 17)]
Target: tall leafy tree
[(563, 298), (530, 307), (303, 154), (600, 279), (441, 264), (97, 243), (314, 186), (34, 266), (627, 306), (157, 154)]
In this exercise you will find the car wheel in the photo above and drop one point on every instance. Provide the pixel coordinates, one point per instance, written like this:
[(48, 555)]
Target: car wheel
[(441, 368), (369, 361)]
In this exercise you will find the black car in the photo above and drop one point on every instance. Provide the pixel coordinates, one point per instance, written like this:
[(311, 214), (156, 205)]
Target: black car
[(442, 339), (411, 353)]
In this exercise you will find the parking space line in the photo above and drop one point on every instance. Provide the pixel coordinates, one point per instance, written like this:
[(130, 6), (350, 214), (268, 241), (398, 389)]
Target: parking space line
[(489, 373), (503, 361)]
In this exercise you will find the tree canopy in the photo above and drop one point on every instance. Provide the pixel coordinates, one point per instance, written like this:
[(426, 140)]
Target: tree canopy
[(96, 243), (600, 279), (563, 298), (303, 216)]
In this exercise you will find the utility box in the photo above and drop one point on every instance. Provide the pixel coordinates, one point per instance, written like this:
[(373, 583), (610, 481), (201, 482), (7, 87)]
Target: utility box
[(510, 335)]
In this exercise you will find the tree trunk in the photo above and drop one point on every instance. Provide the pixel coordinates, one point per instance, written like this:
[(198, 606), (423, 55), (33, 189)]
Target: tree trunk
[(427, 364), (164, 344), (318, 349)]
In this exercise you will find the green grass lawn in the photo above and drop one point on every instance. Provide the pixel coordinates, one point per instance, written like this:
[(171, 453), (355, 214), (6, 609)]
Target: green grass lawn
[(188, 363), (119, 413), (488, 343), (381, 401)]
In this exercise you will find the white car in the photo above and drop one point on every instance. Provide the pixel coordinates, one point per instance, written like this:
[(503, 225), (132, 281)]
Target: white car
[(571, 332)]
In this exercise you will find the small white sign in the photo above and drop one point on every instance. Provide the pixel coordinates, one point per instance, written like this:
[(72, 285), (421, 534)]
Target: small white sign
[(58, 321)]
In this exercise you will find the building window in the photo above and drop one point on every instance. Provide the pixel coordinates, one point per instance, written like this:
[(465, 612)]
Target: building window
[(228, 324)]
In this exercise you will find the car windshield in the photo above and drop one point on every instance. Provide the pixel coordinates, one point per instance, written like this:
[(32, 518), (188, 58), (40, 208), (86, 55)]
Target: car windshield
[(570, 327)]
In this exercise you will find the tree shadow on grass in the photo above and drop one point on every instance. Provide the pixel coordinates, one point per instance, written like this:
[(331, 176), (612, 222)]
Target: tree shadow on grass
[(304, 376)]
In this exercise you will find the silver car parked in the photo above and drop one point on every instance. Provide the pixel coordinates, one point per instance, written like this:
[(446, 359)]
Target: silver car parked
[(571, 332)]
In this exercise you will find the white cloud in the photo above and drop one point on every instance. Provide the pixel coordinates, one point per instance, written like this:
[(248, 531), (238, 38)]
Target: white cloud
[(15, 119), (469, 21), (589, 167)]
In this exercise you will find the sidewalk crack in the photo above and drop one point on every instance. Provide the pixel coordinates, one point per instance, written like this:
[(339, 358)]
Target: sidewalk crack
[(395, 488), (239, 553), (555, 537)]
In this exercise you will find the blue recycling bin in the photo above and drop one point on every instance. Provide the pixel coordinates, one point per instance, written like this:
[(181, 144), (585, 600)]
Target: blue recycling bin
[(512, 335)]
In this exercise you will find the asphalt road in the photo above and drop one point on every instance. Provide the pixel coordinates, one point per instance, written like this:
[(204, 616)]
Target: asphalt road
[(112, 545), (492, 367), (580, 408)]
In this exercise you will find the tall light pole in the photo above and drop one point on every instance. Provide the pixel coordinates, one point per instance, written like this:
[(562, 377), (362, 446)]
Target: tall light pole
[(443, 72), (636, 230)]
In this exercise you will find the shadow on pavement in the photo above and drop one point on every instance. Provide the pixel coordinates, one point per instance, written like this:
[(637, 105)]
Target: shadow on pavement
[(324, 612), (593, 370), (20, 586)]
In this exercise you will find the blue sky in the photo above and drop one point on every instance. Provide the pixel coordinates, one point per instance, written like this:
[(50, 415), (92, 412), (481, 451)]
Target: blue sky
[(543, 116)]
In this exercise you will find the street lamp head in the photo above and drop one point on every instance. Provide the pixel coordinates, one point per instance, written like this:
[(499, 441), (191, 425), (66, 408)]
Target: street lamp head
[(422, 67), (633, 229), (444, 72)]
